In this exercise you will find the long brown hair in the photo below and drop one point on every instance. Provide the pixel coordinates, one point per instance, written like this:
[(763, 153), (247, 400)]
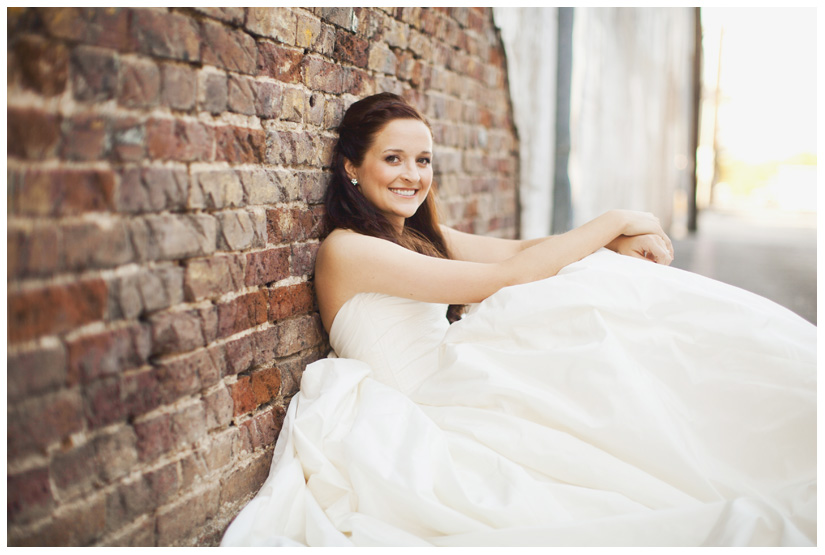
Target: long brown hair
[(347, 208)]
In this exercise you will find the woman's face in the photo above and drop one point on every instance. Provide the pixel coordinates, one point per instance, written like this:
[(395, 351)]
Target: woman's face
[(397, 172)]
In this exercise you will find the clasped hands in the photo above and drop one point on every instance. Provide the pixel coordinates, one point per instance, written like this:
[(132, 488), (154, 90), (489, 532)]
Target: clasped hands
[(648, 246)]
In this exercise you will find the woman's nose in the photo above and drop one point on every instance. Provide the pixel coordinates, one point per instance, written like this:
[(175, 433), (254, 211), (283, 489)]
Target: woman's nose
[(411, 173)]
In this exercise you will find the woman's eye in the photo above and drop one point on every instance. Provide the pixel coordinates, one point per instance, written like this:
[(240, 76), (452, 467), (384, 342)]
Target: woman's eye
[(424, 161), (392, 159)]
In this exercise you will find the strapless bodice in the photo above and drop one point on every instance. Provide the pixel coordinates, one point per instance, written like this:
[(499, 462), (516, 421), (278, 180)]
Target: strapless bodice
[(398, 338)]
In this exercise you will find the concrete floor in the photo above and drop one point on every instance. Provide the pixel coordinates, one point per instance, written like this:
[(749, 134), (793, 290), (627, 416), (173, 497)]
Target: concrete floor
[(770, 253)]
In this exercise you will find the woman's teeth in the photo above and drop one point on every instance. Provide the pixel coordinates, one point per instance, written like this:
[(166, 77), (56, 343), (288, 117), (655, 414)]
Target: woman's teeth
[(404, 192)]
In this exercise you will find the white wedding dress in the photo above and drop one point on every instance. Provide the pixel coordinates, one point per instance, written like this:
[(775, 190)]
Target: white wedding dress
[(618, 403)]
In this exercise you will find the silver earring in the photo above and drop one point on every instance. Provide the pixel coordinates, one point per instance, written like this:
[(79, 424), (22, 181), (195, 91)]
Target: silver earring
[(354, 182)]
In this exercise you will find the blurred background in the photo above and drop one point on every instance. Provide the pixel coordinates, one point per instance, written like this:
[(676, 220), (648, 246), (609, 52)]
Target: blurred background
[(706, 117)]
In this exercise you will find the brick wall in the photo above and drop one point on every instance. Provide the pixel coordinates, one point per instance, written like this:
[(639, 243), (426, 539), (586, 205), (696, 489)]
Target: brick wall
[(165, 173)]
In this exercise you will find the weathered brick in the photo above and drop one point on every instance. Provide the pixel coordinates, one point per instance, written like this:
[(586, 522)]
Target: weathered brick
[(212, 92), (216, 189), (267, 266), (321, 75), (128, 135), (289, 224), (240, 354), (94, 74), (85, 137), (243, 397), (147, 290), (302, 262), (32, 134), (241, 229), (267, 99), (43, 65), (241, 94), (240, 145), (351, 49), (266, 385), (103, 403), (33, 252), (141, 534), (37, 422), (186, 141), (291, 300), (228, 48), (219, 453), (152, 190), (274, 23), (219, 408), (29, 495), (261, 430), (107, 27), (175, 524), (262, 186), (165, 35), (139, 84), (107, 353), (79, 524), (290, 147), (234, 16), (189, 425), (239, 487), (141, 392), (382, 59), (179, 89), (297, 334), (55, 308), (36, 371), (292, 105), (173, 236), (193, 470), (242, 313), (211, 277), (308, 31), (265, 343), (154, 437), (64, 192), (278, 62), (178, 331), (342, 17), (96, 244)]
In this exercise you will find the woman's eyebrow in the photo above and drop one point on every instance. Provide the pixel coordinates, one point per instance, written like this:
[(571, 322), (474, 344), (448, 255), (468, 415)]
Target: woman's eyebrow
[(402, 150)]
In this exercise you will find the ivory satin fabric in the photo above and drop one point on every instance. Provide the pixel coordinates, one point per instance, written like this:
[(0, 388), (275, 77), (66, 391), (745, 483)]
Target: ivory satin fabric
[(617, 403)]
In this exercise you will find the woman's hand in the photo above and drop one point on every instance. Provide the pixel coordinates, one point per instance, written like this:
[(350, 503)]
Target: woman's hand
[(635, 223), (648, 246)]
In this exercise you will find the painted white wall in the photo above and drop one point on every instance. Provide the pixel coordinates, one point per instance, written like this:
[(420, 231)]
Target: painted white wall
[(530, 40), (630, 111)]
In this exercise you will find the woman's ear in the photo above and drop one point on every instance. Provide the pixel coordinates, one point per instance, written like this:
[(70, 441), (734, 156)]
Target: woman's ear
[(349, 167)]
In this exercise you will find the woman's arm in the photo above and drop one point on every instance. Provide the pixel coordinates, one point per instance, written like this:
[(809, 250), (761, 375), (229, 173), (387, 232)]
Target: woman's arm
[(349, 263)]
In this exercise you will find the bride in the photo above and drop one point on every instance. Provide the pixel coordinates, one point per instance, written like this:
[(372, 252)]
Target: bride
[(585, 398)]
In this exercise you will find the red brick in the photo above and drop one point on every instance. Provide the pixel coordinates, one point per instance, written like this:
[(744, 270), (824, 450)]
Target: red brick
[(302, 262), (29, 495), (228, 48), (229, 15), (266, 385), (241, 94), (212, 92), (165, 35), (154, 437), (240, 145), (173, 236), (55, 308), (240, 354), (64, 192), (88, 245), (107, 353), (179, 88), (139, 84), (75, 471), (216, 189), (38, 422), (152, 190), (358, 82), (239, 487), (177, 524), (290, 301), (77, 525), (103, 403), (43, 65), (107, 27), (185, 376), (33, 252), (291, 224), (94, 74), (351, 49), (32, 134), (266, 266), (141, 392), (243, 397), (185, 141), (177, 332), (342, 17), (242, 313), (36, 371), (241, 229), (268, 99), (279, 62), (85, 138), (214, 276), (298, 334), (189, 425)]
